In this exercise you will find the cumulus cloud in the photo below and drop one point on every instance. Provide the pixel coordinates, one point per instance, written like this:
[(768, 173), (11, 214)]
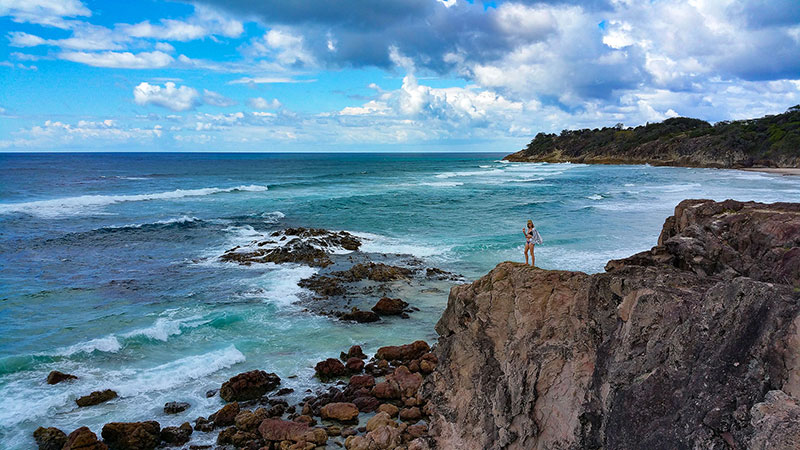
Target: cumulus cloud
[(176, 98), (216, 99), (204, 22), (57, 133), (262, 103), (120, 60), (44, 12)]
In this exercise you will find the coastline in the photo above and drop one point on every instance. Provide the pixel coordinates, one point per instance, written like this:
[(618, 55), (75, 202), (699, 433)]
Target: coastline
[(785, 171)]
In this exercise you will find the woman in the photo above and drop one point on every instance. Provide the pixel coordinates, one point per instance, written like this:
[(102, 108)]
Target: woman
[(532, 238)]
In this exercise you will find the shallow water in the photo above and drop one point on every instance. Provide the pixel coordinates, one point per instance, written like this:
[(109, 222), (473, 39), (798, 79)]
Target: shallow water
[(110, 271)]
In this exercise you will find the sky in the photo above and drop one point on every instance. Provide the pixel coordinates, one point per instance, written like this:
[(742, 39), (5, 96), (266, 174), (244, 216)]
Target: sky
[(389, 75)]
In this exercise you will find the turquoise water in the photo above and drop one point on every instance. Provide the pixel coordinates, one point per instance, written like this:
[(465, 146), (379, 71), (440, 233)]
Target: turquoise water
[(109, 264)]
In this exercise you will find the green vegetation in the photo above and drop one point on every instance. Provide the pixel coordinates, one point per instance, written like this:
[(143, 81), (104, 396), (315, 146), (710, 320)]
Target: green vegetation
[(771, 140)]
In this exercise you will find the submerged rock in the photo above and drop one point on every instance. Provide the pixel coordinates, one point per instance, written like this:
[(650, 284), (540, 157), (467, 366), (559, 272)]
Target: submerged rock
[(96, 397), (403, 353), (172, 436), (357, 315), (310, 246), (132, 435), (56, 377), (175, 407), (670, 348), (330, 368), (248, 386), (49, 438)]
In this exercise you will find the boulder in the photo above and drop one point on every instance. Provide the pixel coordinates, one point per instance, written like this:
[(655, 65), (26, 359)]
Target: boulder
[(361, 381), (386, 390), (96, 397), (49, 438), (366, 403), (776, 422), (226, 416), (389, 307), (132, 435), (284, 430), (354, 365), (357, 315), (343, 412), (354, 352), (381, 438), (389, 409), (55, 377), (83, 439), (250, 420), (407, 383), (403, 353), (173, 436), (410, 414), (175, 407), (380, 420), (248, 386), (330, 368)]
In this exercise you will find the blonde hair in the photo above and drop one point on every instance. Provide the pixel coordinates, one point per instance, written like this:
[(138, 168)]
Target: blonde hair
[(530, 222)]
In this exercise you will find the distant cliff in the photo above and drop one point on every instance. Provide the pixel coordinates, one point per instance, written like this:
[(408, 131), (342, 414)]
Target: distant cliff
[(771, 141), (692, 344)]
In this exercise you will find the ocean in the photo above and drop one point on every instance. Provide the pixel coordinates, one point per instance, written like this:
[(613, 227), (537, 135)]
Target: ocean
[(110, 270)]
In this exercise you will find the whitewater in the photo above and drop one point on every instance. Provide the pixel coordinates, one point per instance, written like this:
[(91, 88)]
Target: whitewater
[(111, 271)]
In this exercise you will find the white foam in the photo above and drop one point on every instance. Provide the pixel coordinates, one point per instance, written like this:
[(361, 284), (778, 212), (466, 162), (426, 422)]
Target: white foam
[(469, 173), (273, 216), (443, 184), (280, 285), (109, 344), (182, 219), (178, 372), (376, 243), (595, 197), (91, 203), (165, 327)]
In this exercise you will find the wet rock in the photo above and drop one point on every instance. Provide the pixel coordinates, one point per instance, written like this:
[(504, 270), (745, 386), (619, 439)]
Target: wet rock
[(96, 397), (132, 435), (56, 377), (307, 246), (330, 368), (389, 409), (226, 416), (386, 437), (380, 420), (248, 386), (173, 436), (323, 286), (389, 307), (366, 403), (83, 439), (284, 391), (386, 390), (203, 424), (361, 381), (175, 407), (211, 392), (354, 352), (403, 353), (343, 412), (49, 438), (250, 420), (407, 383), (357, 315), (355, 365), (239, 438)]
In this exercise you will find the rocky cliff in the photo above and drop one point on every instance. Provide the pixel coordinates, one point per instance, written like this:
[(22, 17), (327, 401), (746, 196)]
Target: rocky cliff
[(694, 344), (771, 141)]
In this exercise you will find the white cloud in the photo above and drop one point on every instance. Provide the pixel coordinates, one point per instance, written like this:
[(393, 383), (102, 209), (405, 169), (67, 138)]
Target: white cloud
[(85, 132), (43, 12), (268, 80), (120, 60), (284, 47), (262, 103), (216, 99), (204, 22), (169, 96), (165, 47)]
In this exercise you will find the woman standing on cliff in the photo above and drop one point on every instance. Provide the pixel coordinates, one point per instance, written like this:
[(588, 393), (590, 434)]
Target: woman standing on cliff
[(532, 238)]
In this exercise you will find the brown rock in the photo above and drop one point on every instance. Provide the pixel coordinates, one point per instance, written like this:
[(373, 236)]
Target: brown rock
[(83, 439), (176, 435), (389, 307), (49, 438), (410, 414), (386, 390), (416, 431), (354, 352), (406, 352), (366, 403), (776, 421), (55, 377), (357, 315), (407, 382), (248, 386), (359, 381), (389, 409), (380, 420), (132, 435), (284, 430), (343, 412), (226, 416), (306, 419), (669, 348), (330, 368), (355, 365), (250, 420), (175, 407), (418, 444), (96, 397)]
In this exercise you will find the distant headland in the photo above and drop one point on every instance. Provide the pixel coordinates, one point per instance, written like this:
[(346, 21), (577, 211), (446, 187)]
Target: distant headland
[(772, 141)]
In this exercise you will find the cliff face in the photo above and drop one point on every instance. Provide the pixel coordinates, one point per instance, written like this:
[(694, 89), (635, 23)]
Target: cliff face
[(772, 141), (693, 344)]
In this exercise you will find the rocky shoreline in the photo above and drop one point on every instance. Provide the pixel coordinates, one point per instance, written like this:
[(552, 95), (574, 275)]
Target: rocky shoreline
[(692, 344)]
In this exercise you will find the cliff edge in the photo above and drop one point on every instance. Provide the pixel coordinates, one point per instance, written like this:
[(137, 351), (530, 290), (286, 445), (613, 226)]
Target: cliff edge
[(770, 141), (692, 344)]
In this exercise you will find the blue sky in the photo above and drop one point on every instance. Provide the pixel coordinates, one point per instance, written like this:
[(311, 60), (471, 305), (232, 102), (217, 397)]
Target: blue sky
[(394, 75)]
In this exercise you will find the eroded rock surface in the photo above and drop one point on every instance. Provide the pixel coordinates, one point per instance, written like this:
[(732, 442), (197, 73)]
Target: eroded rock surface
[(668, 349)]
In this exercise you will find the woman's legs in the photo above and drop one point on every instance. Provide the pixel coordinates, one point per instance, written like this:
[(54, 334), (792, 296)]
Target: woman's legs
[(525, 252), (533, 258)]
